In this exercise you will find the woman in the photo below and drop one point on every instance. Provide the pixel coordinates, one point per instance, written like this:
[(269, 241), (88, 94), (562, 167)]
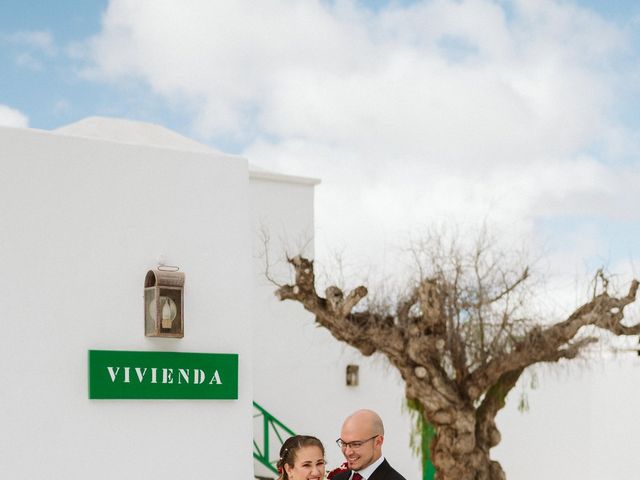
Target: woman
[(301, 458)]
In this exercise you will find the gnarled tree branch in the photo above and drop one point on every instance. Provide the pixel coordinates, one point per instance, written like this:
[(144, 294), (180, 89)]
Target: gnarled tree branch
[(554, 342), (460, 342)]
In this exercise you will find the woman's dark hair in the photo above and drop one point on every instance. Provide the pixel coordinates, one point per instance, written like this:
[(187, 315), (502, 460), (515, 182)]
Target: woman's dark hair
[(290, 449)]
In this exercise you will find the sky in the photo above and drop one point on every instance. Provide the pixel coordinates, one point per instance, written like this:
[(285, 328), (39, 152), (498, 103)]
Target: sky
[(518, 114)]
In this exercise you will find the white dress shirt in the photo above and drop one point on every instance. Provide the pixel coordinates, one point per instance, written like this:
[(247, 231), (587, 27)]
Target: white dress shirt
[(366, 472)]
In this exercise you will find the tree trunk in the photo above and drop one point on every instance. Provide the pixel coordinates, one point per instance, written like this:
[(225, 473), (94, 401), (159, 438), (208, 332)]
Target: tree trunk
[(456, 457)]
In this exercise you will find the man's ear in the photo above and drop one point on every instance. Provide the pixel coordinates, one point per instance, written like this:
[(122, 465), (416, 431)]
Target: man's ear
[(379, 440)]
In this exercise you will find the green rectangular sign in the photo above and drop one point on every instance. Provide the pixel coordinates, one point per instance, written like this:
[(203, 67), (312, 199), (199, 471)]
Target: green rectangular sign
[(162, 375)]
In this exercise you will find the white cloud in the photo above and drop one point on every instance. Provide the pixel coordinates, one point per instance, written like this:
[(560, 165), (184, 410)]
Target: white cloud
[(30, 46), (10, 117), (27, 60), (41, 40), (439, 110)]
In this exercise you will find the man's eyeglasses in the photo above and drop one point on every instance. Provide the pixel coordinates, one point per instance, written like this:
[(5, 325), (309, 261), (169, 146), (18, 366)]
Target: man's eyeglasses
[(353, 445)]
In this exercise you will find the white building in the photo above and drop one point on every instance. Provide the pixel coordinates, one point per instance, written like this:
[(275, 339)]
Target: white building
[(87, 210)]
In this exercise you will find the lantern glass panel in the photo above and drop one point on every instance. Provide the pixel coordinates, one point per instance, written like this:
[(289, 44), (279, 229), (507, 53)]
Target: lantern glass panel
[(166, 308), (151, 311)]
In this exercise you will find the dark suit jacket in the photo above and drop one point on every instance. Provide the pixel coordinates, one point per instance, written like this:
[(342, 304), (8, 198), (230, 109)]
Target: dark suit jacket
[(383, 472)]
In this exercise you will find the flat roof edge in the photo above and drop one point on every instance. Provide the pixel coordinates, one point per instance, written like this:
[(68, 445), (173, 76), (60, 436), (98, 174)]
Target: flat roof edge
[(279, 177)]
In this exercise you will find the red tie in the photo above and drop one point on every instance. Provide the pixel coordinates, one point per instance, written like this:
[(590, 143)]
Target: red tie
[(356, 476)]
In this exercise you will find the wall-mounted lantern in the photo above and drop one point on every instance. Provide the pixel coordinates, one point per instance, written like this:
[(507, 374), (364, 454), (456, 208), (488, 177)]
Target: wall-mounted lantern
[(164, 303), (353, 375)]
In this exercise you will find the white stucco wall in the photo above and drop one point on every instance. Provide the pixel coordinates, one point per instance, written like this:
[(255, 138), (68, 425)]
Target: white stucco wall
[(582, 423), (81, 222), (299, 368)]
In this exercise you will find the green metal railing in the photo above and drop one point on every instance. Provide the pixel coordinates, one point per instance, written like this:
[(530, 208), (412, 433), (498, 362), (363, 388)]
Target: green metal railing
[(274, 433)]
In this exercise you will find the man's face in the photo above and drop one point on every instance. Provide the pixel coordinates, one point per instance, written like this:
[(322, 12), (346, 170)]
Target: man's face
[(361, 449)]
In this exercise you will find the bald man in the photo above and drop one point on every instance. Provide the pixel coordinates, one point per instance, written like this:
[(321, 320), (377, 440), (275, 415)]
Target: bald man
[(361, 440)]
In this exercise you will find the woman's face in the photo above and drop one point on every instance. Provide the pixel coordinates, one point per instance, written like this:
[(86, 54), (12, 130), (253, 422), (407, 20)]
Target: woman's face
[(309, 465)]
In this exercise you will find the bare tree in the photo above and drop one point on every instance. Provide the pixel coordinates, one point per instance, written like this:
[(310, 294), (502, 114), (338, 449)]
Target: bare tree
[(460, 336)]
